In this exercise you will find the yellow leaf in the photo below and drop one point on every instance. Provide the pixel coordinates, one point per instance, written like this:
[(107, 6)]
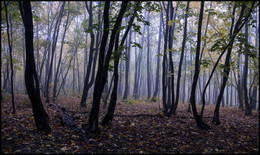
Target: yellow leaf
[(170, 22)]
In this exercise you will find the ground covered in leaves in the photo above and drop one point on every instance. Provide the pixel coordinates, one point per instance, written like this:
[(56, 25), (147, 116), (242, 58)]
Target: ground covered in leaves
[(138, 127)]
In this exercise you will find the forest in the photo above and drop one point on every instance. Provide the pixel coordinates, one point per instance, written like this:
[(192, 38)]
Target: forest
[(134, 77)]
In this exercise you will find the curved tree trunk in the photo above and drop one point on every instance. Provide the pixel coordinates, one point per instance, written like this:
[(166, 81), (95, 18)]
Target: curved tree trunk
[(32, 84), (199, 121), (101, 76)]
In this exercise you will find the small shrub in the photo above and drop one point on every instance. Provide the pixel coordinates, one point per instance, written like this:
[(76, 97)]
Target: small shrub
[(155, 99)]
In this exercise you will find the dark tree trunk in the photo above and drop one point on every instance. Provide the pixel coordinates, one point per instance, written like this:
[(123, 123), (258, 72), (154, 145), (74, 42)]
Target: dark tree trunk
[(199, 121), (32, 84), (101, 76), (165, 109), (181, 59), (91, 52), (227, 65), (108, 118)]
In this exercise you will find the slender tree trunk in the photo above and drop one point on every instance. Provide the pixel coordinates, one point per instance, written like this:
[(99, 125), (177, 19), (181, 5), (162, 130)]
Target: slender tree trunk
[(11, 56), (181, 59), (110, 112), (101, 76), (165, 109), (248, 110), (127, 67), (148, 60), (227, 65), (199, 121), (59, 61), (55, 38), (91, 52), (158, 59)]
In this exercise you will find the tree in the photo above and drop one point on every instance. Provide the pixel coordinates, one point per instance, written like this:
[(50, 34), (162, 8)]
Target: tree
[(11, 59), (55, 38), (91, 52), (127, 66), (59, 61), (157, 81), (199, 121), (107, 120), (181, 59), (148, 60), (31, 80), (103, 64)]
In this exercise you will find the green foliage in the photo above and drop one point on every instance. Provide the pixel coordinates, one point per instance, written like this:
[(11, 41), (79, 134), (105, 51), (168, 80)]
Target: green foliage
[(131, 101), (93, 27), (245, 47), (219, 45), (160, 54), (155, 99), (205, 62), (136, 44)]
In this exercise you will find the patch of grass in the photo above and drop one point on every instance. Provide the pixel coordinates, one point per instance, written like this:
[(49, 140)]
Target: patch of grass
[(155, 99), (131, 101)]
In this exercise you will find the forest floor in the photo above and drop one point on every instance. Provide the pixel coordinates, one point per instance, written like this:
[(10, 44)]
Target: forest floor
[(137, 128)]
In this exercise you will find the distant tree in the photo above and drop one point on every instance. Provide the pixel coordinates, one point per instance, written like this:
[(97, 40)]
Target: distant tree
[(157, 79), (60, 57), (54, 42), (31, 80), (148, 60), (127, 65), (10, 53)]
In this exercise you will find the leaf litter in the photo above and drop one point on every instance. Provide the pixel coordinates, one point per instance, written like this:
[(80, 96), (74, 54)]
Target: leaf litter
[(137, 128)]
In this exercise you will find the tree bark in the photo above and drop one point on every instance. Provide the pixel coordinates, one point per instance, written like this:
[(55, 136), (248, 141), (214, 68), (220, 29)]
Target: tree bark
[(101, 76), (31, 80), (181, 59), (199, 121), (91, 52)]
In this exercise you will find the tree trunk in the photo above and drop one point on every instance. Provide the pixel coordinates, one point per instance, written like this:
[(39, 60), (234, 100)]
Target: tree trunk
[(55, 38), (158, 59), (107, 120), (101, 76), (248, 110), (11, 55), (148, 60), (91, 52), (227, 65), (59, 61), (181, 59), (127, 66), (199, 121), (32, 84)]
